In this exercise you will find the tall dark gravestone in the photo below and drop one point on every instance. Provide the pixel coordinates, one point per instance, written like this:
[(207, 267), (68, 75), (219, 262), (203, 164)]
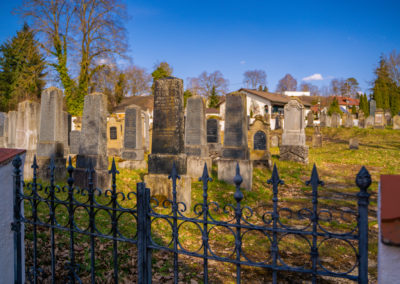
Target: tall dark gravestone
[(51, 134), (93, 142), (372, 107), (133, 150), (168, 145), (235, 148), (213, 136), (196, 137)]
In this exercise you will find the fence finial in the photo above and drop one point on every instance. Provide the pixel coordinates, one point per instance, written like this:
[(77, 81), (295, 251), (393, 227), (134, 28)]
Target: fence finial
[(238, 180), (174, 172), (34, 164), (363, 179), (17, 162), (275, 177), (205, 177), (113, 169), (314, 180)]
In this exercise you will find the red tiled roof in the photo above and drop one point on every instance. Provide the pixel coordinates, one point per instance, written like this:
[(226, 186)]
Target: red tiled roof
[(348, 101), (7, 154), (390, 209)]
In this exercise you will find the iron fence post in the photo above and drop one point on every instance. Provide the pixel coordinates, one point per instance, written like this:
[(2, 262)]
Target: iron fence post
[(148, 235), (238, 195), (142, 233), (363, 181), (16, 225)]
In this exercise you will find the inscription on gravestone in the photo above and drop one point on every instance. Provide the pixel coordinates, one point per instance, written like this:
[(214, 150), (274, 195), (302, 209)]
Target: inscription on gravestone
[(130, 128), (260, 141), (212, 130), (113, 133)]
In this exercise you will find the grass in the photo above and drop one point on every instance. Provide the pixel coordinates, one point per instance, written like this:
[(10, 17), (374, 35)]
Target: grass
[(337, 166)]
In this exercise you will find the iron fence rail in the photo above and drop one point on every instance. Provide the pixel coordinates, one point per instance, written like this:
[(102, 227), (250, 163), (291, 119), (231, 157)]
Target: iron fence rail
[(270, 225)]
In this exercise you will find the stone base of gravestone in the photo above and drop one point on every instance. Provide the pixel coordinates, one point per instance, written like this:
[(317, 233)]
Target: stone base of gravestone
[(214, 149), (160, 185), (59, 170), (101, 179), (133, 164), (47, 149), (295, 153), (317, 140), (239, 153), (195, 166), (198, 150), (227, 171), (261, 158), (132, 154), (75, 141), (353, 144), (113, 152), (162, 163)]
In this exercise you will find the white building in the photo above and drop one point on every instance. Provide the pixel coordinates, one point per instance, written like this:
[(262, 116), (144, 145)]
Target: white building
[(296, 94)]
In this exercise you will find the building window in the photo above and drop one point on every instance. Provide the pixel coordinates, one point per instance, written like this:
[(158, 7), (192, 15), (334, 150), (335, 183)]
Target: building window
[(113, 133)]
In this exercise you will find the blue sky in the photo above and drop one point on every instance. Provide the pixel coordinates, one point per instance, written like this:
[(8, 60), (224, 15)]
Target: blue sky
[(337, 39)]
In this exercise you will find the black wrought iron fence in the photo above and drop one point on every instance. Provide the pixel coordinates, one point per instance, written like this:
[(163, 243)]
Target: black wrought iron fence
[(238, 221)]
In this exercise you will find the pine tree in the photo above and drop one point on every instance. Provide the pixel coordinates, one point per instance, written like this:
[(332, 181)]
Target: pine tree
[(334, 107), (22, 70), (382, 85), (213, 99)]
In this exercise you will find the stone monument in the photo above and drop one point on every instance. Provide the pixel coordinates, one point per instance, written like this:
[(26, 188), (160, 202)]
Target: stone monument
[(213, 136), (258, 136), (323, 117), (75, 141), (235, 149), (278, 122), (133, 151), (93, 143), (11, 129), (27, 132), (388, 117), (396, 122), (317, 137), (293, 146), (51, 135), (349, 120), (335, 120), (361, 119), (275, 141), (353, 143), (372, 107), (146, 131), (168, 145), (369, 122), (3, 133), (379, 119), (196, 138), (310, 119)]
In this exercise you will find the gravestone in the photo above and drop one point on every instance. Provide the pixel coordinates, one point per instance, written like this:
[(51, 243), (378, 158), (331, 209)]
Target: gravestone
[(27, 132), (259, 142), (293, 146), (372, 107), (168, 145), (317, 137), (93, 143), (133, 151), (396, 122), (369, 122), (3, 126), (275, 141), (335, 120), (51, 134), (310, 119), (388, 117), (196, 138), (235, 148), (66, 127), (146, 131), (379, 119), (213, 136), (323, 118), (278, 122), (115, 135), (353, 143), (349, 120), (361, 119), (11, 129), (75, 141)]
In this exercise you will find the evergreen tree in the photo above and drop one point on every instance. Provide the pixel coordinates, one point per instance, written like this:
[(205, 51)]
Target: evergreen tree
[(382, 84), (334, 107), (186, 94), (21, 70), (163, 70), (213, 99)]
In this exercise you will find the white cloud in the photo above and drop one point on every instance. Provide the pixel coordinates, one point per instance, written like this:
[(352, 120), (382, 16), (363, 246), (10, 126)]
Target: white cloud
[(313, 77), (242, 62)]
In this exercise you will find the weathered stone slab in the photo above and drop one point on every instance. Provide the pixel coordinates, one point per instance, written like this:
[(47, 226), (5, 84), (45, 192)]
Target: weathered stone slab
[(75, 141), (259, 142), (11, 129), (349, 120), (317, 137), (379, 119), (227, 171), (274, 141), (294, 153), (195, 128), (293, 133), (195, 166), (372, 107), (146, 131), (396, 122), (335, 120), (310, 119), (213, 131), (3, 134), (353, 143), (133, 136), (369, 122)]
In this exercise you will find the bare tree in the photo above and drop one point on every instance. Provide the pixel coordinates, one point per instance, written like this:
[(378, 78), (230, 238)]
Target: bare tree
[(287, 83), (203, 85), (138, 80), (308, 87), (254, 78), (90, 30), (393, 61)]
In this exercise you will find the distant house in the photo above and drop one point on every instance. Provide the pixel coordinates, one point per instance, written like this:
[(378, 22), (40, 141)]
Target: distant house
[(296, 93), (145, 102), (346, 103)]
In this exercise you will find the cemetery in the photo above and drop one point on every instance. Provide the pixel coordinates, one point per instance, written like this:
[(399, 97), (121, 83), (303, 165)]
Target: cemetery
[(114, 174)]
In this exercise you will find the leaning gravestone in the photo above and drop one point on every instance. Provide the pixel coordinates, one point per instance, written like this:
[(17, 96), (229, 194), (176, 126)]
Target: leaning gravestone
[(372, 107), (213, 136), (196, 138), (3, 134), (379, 119), (293, 146), (11, 129), (349, 120), (168, 145), (317, 137), (26, 133), (133, 151), (235, 149), (51, 134), (369, 122), (93, 143), (396, 122), (310, 119), (335, 120)]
